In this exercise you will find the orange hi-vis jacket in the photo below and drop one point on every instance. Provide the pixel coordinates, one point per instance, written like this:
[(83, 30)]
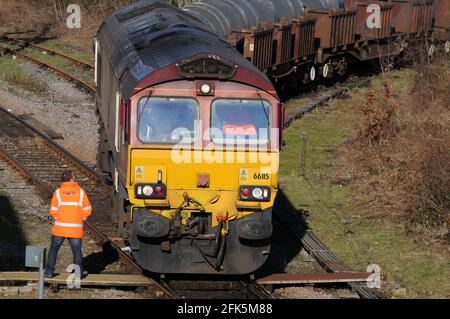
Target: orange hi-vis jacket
[(70, 207)]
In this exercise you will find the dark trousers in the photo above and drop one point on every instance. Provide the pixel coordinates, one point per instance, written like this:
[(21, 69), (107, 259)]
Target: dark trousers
[(75, 245)]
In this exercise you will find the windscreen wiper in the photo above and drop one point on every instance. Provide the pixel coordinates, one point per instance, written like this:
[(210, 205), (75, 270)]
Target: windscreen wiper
[(145, 106), (263, 107)]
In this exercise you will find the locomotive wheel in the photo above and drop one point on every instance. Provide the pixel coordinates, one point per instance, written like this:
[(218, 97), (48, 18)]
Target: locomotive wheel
[(431, 50), (312, 73), (326, 70)]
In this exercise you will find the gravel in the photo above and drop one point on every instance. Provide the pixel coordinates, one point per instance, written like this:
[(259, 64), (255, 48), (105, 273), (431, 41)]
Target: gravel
[(64, 108), (68, 111)]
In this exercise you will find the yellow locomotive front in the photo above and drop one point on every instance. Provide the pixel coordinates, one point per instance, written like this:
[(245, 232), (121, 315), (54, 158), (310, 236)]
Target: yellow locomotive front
[(202, 175)]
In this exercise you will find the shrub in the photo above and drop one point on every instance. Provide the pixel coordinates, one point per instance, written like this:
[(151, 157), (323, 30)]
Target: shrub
[(379, 115)]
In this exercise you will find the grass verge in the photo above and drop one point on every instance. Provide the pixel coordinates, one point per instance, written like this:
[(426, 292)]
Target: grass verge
[(423, 268), (11, 73)]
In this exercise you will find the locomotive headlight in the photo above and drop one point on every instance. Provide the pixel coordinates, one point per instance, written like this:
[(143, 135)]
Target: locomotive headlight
[(257, 193), (147, 190), (151, 191), (205, 88)]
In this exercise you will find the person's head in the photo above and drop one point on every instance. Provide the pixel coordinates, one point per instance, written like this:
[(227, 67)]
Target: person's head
[(67, 176)]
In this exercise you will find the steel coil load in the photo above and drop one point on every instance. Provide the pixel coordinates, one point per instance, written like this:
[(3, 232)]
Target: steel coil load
[(225, 16)]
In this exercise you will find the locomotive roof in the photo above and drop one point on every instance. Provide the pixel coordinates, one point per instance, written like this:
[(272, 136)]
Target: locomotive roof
[(148, 35)]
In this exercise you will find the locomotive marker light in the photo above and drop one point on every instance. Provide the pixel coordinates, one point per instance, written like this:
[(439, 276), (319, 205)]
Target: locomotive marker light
[(159, 190), (245, 192), (35, 258), (255, 193), (151, 191), (205, 88)]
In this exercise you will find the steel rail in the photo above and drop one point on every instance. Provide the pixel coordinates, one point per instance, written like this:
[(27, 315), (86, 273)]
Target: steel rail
[(88, 87), (46, 190), (324, 98), (326, 258), (257, 290), (218, 287), (51, 51)]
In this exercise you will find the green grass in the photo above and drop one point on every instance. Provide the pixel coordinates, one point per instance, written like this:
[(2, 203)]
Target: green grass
[(62, 64), (8, 66), (56, 45), (59, 62), (422, 268), (12, 73)]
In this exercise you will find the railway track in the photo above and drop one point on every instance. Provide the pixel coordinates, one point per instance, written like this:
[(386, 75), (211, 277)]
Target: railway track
[(323, 99), (292, 220), (49, 51), (325, 257), (22, 49), (41, 162), (218, 288)]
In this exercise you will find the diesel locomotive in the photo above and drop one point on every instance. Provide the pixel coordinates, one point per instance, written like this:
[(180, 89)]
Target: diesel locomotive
[(191, 121), (190, 136)]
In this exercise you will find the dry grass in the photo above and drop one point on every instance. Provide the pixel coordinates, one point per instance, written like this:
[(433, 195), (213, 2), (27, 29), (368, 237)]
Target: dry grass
[(399, 158), (48, 17), (380, 115), (27, 83)]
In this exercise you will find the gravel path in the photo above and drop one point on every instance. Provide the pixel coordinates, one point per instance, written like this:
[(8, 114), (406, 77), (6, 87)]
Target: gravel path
[(64, 108)]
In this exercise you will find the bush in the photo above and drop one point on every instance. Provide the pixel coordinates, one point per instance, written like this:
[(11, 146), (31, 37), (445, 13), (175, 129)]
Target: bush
[(399, 161), (379, 115)]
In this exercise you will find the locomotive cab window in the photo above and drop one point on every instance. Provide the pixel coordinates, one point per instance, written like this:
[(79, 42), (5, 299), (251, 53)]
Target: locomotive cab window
[(240, 121), (167, 120)]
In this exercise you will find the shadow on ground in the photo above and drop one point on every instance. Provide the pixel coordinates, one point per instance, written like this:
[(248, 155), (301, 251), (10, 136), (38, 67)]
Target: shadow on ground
[(285, 246), (97, 262), (12, 238)]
